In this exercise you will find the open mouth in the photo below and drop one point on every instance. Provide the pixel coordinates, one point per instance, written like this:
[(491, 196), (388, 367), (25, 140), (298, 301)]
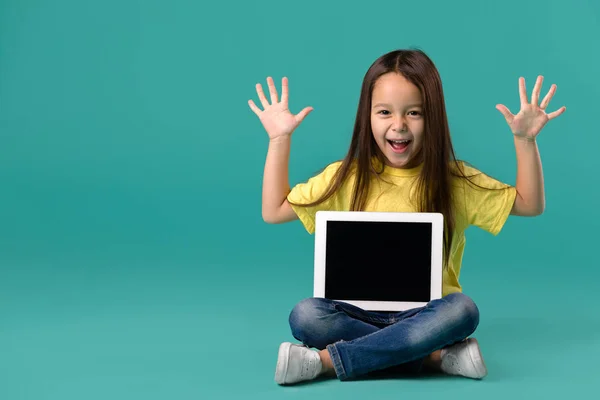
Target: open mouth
[(399, 145)]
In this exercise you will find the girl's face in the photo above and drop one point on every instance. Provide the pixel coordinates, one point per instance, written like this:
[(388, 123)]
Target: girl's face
[(397, 120)]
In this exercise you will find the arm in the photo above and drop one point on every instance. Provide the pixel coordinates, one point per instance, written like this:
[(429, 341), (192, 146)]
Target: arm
[(279, 123), (530, 199), (525, 126), (275, 207)]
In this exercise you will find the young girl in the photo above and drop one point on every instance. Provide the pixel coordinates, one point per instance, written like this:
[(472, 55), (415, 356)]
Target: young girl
[(401, 159)]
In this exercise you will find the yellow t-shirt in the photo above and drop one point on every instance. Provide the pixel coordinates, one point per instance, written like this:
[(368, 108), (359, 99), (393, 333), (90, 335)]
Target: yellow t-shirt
[(486, 209)]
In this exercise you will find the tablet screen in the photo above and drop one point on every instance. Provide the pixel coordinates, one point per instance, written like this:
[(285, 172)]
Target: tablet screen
[(378, 261)]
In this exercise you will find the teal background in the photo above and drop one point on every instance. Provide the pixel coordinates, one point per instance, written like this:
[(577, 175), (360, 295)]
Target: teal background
[(134, 263)]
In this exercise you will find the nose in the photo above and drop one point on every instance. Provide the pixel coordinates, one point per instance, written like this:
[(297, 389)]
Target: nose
[(399, 124)]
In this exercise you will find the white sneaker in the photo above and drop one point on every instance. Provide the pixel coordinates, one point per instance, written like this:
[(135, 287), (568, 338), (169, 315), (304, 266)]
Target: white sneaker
[(296, 363), (465, 359)]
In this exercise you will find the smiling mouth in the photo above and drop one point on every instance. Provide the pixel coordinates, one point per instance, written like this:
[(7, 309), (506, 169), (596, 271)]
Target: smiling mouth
[(399, 145)]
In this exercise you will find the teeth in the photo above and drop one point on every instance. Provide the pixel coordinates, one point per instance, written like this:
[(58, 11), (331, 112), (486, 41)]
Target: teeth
[(400, 141)]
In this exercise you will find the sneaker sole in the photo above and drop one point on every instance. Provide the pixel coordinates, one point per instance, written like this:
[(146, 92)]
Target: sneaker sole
[(283, 358), (475, 353)]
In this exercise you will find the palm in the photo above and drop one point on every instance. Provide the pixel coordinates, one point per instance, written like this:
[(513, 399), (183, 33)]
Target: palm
[(276, 118), (532, 117), (529, 121)]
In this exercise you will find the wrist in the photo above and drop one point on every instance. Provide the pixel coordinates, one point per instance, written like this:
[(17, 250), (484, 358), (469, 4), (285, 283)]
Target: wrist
[(280, 139), (524, 138)]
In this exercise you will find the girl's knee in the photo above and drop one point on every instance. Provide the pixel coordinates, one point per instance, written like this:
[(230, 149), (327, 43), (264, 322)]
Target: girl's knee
[(464, 309), (306, 318)]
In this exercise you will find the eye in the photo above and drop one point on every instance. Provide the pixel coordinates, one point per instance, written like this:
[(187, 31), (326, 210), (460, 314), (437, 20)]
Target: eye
[(382, 111), (415, 113)]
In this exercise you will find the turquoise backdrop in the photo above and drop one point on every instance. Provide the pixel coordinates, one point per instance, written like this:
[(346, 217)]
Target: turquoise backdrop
[(134, 263)]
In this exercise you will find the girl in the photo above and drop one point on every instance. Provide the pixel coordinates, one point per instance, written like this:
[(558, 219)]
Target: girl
[(400, 159)]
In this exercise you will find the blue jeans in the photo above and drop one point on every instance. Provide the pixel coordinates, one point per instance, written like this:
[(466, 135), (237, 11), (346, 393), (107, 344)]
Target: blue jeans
[(362, 342)]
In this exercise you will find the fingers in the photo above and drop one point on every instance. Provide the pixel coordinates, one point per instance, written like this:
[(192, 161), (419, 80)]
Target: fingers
[(272, 90), (302, 114), (522, 91), (261, 96), (505, 112), (535, 96), (546, 101), (284, 90), (548, 97), (557, 113), (254, 108)]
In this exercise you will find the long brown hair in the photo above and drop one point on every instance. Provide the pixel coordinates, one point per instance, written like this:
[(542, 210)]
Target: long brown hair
[(434, 184)]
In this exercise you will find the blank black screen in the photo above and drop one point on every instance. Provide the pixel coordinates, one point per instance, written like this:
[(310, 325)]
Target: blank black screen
[(378, 261)]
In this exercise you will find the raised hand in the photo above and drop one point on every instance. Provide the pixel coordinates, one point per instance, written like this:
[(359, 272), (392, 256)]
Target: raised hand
[(528, 123), (276, 117)]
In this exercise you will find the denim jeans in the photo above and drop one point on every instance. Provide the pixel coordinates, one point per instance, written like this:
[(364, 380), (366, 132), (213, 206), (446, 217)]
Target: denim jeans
[(361, 342)]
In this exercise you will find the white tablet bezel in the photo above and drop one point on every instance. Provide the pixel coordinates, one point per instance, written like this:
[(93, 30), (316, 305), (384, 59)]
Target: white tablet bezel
[(437, 221)]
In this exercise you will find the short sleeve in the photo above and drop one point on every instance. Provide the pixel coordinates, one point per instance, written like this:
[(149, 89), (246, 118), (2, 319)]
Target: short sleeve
[(310, 191), (488, 206)]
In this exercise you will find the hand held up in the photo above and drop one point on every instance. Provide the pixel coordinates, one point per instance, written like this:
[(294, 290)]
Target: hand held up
[(276, 117), (532, 117)]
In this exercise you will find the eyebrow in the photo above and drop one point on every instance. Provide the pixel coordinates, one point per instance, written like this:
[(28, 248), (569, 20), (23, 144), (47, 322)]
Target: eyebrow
[(388, 105)]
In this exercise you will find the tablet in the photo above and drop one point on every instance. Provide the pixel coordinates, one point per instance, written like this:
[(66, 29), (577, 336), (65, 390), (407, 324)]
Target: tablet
[(378, 261)]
